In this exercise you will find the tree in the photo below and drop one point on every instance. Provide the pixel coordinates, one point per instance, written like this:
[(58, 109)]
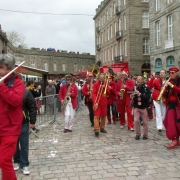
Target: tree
[(16, 39)]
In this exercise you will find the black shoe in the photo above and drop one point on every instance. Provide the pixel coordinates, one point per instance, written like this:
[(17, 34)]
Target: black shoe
[(137, 137), (160, 130), (145, 138), (97, 133), (103, 131), (92, 125)]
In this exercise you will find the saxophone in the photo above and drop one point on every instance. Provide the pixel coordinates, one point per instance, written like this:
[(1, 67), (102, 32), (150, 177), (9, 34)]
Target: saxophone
[(66, 99), (161, 93), (122, 90)]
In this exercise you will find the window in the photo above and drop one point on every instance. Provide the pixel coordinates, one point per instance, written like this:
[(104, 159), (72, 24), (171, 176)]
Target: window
[(146, 47), (63, 67), (105, 36), (104, 55), (111, 31), (145, 19), (75, 67), (170, 61), (112, 54), (32, 64), (170, 28), (145, 0), (110, 9), (158, 62), (108, 34), (115, 28), (115, 50), (119, 2), (46, 66), (119, 24), (158, 40), (114, 7), (157, 5), (169, 1), (108, 57), (83, 64), (120, 48), (125, 48), (107, 14), (101, 38), (102, 59), (55, 67), (124, 22), (104, 18), (124, 2)]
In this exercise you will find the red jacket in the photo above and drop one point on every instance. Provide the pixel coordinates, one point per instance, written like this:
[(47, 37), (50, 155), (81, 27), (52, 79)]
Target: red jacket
[(73, 91), (102, 105), (129, 88), (11, 107), (112, 96), (85, 91), (150, 82), (157, 84)]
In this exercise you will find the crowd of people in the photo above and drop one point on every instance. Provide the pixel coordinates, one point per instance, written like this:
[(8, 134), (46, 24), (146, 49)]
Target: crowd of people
[(108, 97)]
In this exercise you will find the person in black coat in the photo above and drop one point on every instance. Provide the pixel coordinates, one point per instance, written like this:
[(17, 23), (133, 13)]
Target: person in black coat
[(21, 155)]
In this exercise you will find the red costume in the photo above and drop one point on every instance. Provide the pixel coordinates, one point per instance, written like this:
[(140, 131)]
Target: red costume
[(111, 100), (101, 111), (172, 117), (73, 91), (125, 102)]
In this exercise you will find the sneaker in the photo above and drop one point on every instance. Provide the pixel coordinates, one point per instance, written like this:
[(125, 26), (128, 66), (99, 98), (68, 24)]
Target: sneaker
[(65, 131), (26, 170), (16, 166), (131, 129), (122, 127)]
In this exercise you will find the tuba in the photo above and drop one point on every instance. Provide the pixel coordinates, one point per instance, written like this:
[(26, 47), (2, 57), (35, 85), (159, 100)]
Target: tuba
[(94, 69)]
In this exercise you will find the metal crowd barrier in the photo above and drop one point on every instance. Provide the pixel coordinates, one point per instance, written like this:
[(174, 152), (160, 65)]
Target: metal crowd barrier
[(48, 110)]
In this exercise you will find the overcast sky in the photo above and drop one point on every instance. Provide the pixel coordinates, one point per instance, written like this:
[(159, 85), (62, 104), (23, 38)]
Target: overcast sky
[(68, 32)]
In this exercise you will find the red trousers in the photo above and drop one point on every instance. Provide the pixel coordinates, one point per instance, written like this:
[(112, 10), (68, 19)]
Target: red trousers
[(129, 115), (7, 150)]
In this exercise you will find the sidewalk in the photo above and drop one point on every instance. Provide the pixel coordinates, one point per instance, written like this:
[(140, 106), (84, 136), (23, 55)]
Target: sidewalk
[(113, 156)]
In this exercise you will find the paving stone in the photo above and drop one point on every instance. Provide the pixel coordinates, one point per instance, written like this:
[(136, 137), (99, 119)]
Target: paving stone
[(113, 156)]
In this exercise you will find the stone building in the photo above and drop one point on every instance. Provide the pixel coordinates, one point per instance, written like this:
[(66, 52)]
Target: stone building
[(122, 33), (164, 33), (56, 63)]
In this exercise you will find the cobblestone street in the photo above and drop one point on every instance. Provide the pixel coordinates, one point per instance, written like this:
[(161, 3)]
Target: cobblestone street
[(113, 156)]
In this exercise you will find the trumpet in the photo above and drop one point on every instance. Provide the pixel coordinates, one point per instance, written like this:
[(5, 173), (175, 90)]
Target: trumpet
[(161, 92)]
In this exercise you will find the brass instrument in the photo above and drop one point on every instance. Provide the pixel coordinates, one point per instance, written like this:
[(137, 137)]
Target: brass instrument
[(98, 96), (122, 90), (66, 99), (161, 92), (106, 81), (94, 69)]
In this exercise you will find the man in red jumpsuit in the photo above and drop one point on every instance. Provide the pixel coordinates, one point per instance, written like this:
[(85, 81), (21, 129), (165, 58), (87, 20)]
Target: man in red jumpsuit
[(11, 115), (111, 104), (87, 92), (172, 101), (124, 88), (100, 104)]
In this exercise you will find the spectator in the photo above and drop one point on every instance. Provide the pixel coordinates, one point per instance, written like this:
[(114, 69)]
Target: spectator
[(22, 150), (11, 115)]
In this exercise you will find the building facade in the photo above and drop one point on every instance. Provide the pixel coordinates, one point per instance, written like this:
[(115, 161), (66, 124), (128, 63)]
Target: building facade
[(56, 63), (165, 34), (122, 33)]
